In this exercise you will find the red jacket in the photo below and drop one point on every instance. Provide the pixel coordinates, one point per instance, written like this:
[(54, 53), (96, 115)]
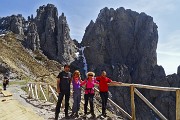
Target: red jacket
[(103, 86)]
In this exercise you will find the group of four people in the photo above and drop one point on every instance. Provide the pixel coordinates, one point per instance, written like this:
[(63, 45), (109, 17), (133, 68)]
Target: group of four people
[(63, 89)]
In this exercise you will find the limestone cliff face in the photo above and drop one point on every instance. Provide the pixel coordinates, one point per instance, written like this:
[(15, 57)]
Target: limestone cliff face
[(124, 42), (55, 40), (122, 37), (33, 41), (66, 46), (14, 23), (47, 21), (47, 32)]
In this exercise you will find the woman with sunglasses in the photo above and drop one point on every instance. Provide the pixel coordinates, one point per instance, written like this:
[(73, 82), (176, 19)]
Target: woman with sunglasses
[(89, 84), (76, 81)]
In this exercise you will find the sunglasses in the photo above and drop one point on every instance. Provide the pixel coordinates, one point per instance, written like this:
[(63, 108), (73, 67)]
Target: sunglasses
[(90, 75)]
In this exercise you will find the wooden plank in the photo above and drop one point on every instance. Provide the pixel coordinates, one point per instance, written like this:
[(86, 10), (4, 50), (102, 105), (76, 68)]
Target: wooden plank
[(43, 93), (6, 93), (38, 90), (118, 107), (53, 92), (177, 104), (132, 103), (48, 97), (150, 105), (147, 87), (29, 91), (136, 86), (36, 93), (32, 91)]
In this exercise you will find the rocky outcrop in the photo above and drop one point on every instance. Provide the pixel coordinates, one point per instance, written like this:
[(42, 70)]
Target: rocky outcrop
[(122, 37), (33, 41), (66, 46), (121, 42), (45, 32), (4, 68), (47, 21), (55, 40), (14, 23), (124, 42)]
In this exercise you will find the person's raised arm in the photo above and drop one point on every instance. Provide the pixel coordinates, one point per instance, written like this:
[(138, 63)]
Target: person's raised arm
[(113, 82)]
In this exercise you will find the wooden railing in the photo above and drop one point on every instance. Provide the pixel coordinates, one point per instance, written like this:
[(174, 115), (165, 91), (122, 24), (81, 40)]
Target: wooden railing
[(41, 91), (37, 90), (134, 90)]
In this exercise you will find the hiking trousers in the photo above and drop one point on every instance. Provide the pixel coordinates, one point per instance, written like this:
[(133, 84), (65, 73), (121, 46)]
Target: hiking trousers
[(104, 98), (60, 98), (89, 97), (77, 100), (4, 86)]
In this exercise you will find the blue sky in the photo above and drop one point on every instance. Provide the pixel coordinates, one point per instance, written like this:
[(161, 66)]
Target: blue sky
[(79, 13)]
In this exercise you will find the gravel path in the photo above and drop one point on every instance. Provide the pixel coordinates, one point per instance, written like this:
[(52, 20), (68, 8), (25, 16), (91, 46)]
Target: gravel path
[(46, 110), (43, 109)]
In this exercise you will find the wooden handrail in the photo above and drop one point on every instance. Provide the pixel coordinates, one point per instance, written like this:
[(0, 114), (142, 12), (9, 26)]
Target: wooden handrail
[(146, 86), (150, 105), (117, 106), (133, 90)]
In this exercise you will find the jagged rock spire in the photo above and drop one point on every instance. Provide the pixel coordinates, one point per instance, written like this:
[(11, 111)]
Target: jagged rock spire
[(65, 44), (33, 41)]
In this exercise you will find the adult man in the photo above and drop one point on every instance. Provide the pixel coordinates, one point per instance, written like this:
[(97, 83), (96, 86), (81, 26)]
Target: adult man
[(63, 88)]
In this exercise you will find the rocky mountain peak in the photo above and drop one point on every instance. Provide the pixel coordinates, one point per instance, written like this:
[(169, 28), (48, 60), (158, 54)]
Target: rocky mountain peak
[(46, 31), (33, 41), (117, 36), (13, 23)]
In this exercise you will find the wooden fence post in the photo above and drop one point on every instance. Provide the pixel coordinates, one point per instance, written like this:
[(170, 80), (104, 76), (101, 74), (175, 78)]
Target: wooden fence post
[(177, 104), (132, 103), (48, 92)]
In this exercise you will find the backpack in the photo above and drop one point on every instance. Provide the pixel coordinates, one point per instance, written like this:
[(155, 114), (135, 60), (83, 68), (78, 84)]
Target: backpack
[(89, 90)]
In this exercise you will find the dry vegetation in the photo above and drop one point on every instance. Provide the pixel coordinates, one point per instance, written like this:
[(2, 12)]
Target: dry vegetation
[(26, 63)]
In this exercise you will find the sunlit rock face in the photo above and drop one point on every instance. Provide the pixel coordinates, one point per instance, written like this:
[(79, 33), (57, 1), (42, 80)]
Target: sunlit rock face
[(123, 42), (122, 37), (54, 32)]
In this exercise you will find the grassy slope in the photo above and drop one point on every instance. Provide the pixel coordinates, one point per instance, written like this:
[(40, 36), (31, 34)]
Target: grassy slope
[(19, 60)]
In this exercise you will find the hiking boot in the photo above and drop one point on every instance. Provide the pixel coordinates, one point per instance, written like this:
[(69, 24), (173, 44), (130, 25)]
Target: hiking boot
[(93, 115), (72, 114), (77, 115)]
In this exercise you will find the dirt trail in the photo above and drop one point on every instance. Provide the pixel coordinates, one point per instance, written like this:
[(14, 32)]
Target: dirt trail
[(12, 109), (19, 104), (19, 107)]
